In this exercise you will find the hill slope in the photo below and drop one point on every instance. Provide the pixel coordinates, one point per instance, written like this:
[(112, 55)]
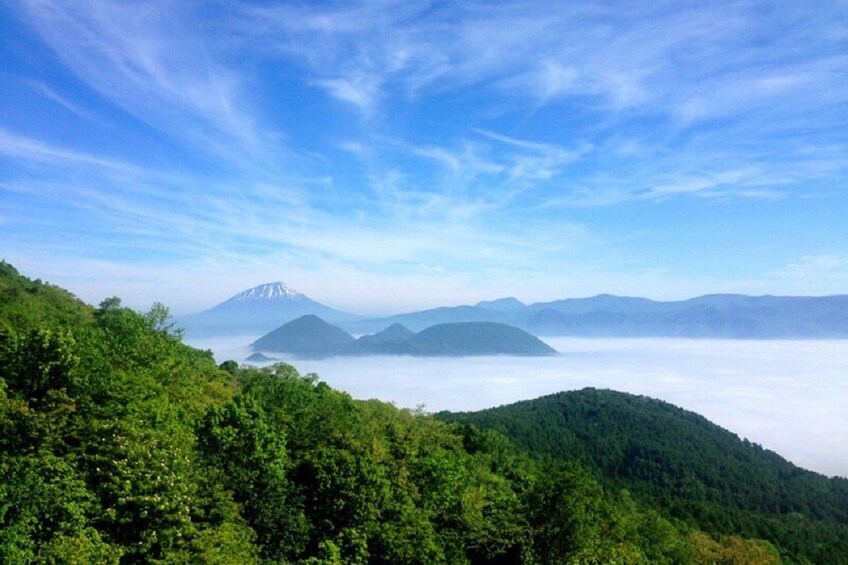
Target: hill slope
[(307, 336), (682, 463), (391, 341), (477, 338)]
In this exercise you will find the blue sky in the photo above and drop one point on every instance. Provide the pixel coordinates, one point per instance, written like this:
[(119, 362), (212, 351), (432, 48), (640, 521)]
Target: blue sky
[(388, 156)]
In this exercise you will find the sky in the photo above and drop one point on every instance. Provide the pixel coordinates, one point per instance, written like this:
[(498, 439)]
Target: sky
[(389, 156)]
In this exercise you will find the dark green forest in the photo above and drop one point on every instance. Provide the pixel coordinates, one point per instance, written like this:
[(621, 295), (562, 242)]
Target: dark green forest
[(119, 444), (682, 465)]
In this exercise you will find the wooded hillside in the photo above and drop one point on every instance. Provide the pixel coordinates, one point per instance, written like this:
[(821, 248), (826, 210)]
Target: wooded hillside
[(682, 465)]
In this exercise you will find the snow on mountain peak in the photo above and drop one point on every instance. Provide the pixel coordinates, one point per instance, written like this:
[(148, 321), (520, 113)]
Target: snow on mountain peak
[(268, 291)]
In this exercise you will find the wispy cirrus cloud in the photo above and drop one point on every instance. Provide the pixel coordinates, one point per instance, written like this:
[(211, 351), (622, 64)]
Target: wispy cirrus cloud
[(51, 94), (535, 161), (659, 55), (26, 149), (149, 60), (154, 220), (677, 68)]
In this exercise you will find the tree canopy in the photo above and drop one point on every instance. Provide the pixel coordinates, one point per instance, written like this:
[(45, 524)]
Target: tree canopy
[(682, 465)]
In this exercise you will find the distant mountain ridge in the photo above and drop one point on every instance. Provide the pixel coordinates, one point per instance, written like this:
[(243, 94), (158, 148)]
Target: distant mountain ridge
[(311, 337), (508, 304), (478, 338), (711, 316), (257, 310), (263, 308)]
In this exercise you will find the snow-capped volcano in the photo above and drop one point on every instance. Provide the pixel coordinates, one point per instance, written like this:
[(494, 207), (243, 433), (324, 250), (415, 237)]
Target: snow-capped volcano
[(256, 311), (270, 290)]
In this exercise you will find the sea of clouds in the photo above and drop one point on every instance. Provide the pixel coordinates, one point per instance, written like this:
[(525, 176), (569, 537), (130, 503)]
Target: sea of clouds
[(789, 396)]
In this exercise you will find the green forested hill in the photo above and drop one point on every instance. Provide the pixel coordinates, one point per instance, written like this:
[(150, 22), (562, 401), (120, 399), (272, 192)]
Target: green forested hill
[(119, 444), (310, 336), (478, 338), (684, 465), (307, 336)]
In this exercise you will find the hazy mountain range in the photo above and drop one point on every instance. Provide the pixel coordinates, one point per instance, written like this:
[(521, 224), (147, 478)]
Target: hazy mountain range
[(310, 336), (268, 306)]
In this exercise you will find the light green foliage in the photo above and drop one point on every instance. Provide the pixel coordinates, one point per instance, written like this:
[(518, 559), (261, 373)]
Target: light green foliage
[(250, 459), (37, 360), (732, 550), (96, 440), (145, 487), (45, 511)]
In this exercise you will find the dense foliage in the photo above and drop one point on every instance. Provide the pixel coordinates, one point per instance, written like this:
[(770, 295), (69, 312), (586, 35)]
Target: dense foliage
[(683, 465), (118, 444)]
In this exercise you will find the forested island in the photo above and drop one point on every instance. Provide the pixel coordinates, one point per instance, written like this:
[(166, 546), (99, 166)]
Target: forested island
[(120, 444), (311, 337)]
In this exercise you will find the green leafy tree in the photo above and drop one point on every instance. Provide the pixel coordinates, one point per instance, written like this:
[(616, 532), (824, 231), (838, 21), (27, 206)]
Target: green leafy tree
[(251, 459), (37, 360), (46, 513)]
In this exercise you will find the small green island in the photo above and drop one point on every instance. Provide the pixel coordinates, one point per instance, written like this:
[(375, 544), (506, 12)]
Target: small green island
[(259, 358), (311, 337)]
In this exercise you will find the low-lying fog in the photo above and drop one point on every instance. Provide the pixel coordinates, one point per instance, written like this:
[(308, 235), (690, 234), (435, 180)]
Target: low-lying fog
[(789, 396)]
